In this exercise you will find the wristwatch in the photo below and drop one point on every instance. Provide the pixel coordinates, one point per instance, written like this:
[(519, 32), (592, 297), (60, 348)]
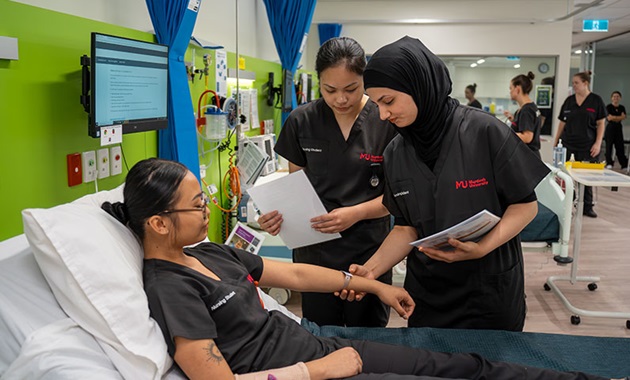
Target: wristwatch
[(346, 280)]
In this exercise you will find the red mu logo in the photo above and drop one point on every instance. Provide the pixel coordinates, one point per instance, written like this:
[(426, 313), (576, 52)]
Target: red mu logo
[(471, 183), (370, 157)]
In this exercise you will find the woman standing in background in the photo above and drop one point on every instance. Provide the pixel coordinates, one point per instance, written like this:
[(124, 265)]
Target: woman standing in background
[(470, 91), (614, 132), (526, 121), (582, 128), (339, 141)]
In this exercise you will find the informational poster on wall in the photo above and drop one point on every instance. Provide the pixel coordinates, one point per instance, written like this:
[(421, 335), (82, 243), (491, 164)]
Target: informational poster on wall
[(543, 95), (221, 72)]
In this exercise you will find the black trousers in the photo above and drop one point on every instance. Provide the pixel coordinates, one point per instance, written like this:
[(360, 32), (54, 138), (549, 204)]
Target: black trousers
[(384, 362), (584, 155), (614, 139)]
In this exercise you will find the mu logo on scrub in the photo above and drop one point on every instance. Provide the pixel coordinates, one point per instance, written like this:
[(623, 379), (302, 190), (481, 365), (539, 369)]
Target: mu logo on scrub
[(471, 183), (370, 157)]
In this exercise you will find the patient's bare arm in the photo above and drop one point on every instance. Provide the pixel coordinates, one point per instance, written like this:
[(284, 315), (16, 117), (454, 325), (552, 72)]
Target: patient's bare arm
[(201, 359)]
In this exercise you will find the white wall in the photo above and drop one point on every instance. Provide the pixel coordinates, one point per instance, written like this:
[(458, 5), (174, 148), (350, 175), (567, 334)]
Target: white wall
[(216, 21)]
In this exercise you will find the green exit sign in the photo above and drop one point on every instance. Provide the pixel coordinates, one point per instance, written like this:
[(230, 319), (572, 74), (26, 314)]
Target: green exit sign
[(595, 26)]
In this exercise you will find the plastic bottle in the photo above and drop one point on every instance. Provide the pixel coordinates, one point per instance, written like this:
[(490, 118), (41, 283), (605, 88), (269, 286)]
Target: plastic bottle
[(493, 108), (559, 155)]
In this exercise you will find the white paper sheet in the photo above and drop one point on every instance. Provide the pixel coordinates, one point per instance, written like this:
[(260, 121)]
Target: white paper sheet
[(471, 229), (294, 197)]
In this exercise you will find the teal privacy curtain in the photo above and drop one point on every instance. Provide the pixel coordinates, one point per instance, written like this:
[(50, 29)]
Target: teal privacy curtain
[(173, 21), (290, 21), (328, 31)]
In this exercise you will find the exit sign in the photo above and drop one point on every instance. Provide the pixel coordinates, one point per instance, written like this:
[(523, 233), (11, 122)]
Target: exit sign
[(595, 26)]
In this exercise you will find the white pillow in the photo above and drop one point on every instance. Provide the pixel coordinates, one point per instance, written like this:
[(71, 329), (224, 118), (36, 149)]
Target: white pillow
[(94, 266)]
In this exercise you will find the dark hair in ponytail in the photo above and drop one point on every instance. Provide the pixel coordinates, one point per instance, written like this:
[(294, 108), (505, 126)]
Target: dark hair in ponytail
[(150, 188), (525, 81), (340, 50), (585, 76), (472, 88)]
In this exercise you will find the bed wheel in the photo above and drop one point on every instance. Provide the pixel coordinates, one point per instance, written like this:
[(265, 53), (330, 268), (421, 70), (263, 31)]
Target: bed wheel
[(547, 287), (575, 320), (592, 286)]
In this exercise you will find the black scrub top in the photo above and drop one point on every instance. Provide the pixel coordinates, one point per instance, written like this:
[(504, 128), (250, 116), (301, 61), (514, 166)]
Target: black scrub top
[(343, 173), (615, 111), (527, 118), (475, 103), (580, 130), (188, 304), (482, 165)]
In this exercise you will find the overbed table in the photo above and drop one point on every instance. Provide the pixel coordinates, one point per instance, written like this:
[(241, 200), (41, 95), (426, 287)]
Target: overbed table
[(587, 177)]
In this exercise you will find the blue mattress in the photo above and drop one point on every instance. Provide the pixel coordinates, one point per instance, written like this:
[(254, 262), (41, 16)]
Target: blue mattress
[(608, 357)]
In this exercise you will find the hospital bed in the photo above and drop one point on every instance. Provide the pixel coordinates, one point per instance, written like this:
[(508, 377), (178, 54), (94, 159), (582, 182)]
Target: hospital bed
[(72, 307)]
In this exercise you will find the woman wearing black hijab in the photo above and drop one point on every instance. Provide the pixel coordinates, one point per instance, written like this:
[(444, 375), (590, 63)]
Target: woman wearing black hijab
[(448, 163)]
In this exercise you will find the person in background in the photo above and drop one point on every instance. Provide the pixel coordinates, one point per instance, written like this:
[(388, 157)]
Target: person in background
[(526, 121), (546, 114), (204, 298), (582, 128), (469, 92), (614, 132), (448, 163), (338, 140)]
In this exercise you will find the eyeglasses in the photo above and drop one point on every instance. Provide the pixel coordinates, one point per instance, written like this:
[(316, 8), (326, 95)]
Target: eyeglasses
[(204, 198)]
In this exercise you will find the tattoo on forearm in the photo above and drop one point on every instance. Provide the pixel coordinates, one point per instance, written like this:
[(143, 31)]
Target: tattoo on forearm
[(213, 353)]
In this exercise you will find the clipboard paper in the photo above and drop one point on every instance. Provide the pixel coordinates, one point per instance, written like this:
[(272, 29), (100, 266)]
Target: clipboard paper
[(471, 229), (295, 198)]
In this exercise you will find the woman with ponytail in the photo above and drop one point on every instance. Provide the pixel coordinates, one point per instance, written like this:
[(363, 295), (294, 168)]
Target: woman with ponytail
[(526, 121)]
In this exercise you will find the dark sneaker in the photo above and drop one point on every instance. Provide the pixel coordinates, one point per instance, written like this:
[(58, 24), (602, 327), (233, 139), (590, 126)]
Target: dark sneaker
[(590, 213)]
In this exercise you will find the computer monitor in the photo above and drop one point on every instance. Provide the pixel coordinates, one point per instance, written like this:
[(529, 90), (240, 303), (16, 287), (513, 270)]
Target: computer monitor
[(128, 84)]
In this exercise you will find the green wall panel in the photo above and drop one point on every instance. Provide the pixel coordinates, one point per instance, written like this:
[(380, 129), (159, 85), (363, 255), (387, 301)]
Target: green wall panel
[(41, 119)]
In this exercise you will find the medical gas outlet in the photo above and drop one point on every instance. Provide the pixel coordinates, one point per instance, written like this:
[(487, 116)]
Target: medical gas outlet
[(88, 160)]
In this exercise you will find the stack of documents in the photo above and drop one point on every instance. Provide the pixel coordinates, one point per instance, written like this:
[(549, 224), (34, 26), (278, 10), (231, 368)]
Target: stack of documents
[(471, 229)]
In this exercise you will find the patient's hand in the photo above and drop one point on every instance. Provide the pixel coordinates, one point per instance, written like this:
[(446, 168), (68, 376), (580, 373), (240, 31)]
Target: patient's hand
[(342, 363), (398, 299), (271, 222), (351, 295)]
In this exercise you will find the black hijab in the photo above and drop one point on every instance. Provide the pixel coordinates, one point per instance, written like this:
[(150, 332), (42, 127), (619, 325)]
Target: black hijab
[(408, 66)]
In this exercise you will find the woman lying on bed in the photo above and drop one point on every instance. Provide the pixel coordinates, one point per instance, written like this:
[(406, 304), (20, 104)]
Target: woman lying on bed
[(206, 303)]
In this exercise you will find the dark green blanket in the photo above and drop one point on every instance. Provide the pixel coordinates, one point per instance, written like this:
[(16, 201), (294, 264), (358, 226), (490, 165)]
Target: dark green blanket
[(608, 357)]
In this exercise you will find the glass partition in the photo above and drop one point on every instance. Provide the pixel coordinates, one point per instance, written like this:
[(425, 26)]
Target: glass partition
[(492, 74)]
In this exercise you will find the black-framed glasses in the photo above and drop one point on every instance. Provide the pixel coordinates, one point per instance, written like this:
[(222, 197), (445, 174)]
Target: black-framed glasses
[(204, 198)]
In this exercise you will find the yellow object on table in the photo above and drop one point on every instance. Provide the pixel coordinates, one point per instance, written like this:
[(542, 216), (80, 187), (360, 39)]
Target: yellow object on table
[(585, 165)]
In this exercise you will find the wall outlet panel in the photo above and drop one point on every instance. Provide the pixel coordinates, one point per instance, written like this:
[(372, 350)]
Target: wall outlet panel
[(115, 158), (102, 163), (88, 160), (75, 175)]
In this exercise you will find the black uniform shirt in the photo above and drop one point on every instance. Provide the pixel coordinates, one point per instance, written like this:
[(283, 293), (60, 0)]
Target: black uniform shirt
[(482, 165), (343, 172), (527, 118), (580, 130), (475, 103), (188, 304), (615, 111)]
